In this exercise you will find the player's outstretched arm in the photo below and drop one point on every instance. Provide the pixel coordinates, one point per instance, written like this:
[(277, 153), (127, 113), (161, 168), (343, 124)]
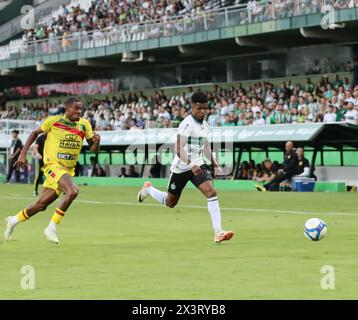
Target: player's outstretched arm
[(21, 162), (93, 143)]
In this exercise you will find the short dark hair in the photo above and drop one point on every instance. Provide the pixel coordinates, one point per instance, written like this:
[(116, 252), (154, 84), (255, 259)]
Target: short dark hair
[(15, 131), (71, 100), (199, 97)]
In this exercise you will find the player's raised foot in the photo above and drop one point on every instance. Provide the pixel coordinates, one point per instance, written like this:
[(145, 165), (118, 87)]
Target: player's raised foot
[(260, 188), (9, 229), (223, 236), (143, 193), (51, 235)]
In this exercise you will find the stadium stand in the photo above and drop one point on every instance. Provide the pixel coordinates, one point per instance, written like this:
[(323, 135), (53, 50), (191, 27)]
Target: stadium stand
[(327, 100), (97, 23), (89, 23)]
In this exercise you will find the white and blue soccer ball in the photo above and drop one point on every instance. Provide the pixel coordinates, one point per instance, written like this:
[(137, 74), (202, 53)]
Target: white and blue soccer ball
[(315, 229)]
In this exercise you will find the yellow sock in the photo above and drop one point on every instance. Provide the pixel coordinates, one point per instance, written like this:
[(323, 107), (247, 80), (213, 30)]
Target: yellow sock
[(57, 216), (22, 215)]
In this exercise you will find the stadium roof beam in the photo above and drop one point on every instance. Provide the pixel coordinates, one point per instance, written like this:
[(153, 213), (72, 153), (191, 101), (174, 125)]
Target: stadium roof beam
[(12, 73), (250, 42), (97, 63), (213, 50), (260, 43), (331, 34), (189, 50), (57, 68), (6, 72)]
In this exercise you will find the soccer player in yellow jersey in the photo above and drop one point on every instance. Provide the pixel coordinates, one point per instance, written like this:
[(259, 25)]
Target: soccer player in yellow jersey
[(65, 134)]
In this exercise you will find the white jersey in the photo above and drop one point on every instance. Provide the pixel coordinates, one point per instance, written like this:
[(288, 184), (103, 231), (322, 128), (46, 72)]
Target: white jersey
[(197, 134), (351, 116)]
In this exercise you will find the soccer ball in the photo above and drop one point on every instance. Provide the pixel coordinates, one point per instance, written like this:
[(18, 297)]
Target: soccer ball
[(315, 229)]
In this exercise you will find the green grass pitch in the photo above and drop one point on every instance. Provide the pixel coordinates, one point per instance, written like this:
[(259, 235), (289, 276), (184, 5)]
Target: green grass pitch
[(113, 248)]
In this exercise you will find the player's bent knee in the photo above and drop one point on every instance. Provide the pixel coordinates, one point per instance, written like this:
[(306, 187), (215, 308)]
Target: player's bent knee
[(211, 193), (73, 193)]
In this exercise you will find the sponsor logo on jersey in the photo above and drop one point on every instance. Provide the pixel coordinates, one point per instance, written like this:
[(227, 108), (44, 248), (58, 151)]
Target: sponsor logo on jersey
[(70, 137), (66, 156), (70, 142)]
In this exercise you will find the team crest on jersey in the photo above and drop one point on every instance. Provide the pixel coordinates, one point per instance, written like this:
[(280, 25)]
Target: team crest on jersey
[(301, 163), (173, 186)]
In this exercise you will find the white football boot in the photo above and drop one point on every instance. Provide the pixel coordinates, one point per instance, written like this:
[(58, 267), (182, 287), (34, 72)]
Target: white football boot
[(9, 228), (51, 235)]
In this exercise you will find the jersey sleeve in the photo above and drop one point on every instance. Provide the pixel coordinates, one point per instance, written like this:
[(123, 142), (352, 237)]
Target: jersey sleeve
[(88, 130), (47, 124), (184, 129)]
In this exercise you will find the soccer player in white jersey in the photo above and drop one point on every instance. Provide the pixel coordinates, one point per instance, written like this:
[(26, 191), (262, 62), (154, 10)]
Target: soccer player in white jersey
[(188, 165)]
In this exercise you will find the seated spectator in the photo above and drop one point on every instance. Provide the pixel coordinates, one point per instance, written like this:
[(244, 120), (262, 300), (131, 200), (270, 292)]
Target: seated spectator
[(228, 121), (351, 116), (259, 120), (290, 167), (123, 173), (252, 169), (269, 172), (156, 168), (97, 170), (303, 169), (132, 172), (244, 171), (330, 115)]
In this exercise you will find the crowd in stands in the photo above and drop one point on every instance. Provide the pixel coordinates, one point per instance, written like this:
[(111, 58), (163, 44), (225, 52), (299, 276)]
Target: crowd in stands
[(87, 16), (327, 100), (249, 170), (90, 15), (92, 23)]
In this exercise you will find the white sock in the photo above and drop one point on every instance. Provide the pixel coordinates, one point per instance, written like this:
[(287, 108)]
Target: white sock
[(158, 195), (14, 220), (52, 226), (215, 213)]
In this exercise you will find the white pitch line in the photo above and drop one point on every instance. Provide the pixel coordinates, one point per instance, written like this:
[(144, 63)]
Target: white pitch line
[(199, 207)]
